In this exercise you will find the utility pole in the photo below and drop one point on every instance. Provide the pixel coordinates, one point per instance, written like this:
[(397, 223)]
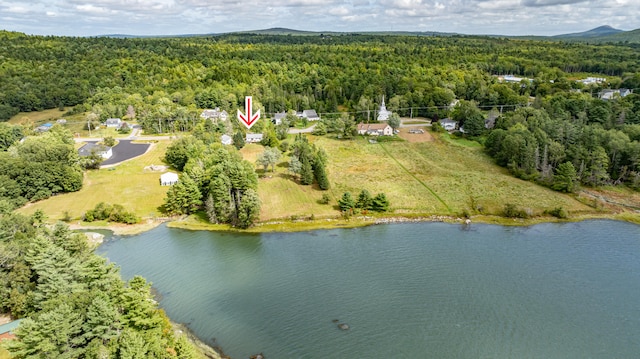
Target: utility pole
[(89, 126)]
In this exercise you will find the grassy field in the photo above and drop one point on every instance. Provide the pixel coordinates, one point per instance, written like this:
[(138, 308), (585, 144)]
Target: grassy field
[(445, 176), (127, 184), (281, 195), (438, 177), (75, 123)]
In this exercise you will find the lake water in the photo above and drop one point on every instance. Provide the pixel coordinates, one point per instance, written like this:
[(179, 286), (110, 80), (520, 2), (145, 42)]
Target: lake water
[(420, 290)]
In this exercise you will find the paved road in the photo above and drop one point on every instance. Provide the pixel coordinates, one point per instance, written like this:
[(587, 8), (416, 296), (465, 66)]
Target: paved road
[(125, 150)]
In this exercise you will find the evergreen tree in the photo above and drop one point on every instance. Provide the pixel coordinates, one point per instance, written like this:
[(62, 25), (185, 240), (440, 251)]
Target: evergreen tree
[(306, 172), (249, 209), (565, 178), (364, 200), (346, 203), (183, 197), (238, 139), (321, 175), (380, 203)]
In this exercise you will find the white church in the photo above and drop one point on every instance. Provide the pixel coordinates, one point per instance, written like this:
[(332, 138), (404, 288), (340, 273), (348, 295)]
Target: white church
[(383, 113)]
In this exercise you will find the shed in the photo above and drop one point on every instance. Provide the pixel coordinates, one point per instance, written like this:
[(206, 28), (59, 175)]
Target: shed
[(226, 140), (168, 179)]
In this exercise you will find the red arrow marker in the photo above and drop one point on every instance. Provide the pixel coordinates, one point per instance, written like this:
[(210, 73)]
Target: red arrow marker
[(249, 119)]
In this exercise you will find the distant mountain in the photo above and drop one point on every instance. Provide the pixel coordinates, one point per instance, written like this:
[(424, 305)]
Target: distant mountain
[(597, 32), (600, 34), (632, 36)]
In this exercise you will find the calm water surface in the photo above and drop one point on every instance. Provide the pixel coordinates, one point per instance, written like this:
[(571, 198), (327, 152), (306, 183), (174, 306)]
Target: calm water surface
[(427, 290)]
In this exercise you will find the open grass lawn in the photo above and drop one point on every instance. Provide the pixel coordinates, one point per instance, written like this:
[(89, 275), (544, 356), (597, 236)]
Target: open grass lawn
[(127, 184), (281, 195), (38, 117)]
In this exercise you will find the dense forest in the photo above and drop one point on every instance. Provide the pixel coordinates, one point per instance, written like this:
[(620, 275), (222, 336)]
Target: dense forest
[(546, 120), (74, 303)]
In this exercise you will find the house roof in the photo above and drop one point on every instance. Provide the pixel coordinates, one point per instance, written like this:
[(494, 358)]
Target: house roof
[(226, 139), (112, 121), (256, 136), (310, 114), (279, 115), (215, 113), (372, 126), (92, 147), (9, 327), (447, 120)]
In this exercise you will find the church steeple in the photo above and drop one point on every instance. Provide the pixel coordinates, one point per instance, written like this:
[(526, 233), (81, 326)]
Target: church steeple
[(383, 114)]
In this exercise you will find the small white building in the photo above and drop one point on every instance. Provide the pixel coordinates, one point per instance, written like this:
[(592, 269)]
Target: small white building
[(253, 137), (226, 140), (168, 179)]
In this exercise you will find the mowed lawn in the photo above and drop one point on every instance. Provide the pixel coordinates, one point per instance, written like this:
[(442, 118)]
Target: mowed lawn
[(128, 184)]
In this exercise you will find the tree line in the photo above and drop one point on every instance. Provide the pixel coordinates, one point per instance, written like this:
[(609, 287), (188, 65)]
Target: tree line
[(36, 167), (166, 80), (213, 177)]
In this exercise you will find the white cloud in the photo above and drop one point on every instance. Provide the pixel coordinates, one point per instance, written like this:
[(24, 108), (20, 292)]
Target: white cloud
[(509, 17)]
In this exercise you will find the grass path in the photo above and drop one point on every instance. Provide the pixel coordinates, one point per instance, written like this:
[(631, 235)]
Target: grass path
[(416, 178)]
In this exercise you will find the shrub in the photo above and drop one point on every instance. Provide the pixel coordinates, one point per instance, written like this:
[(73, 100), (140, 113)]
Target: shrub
[(511, 211), (558, 212), (116, 213), (325, 199)]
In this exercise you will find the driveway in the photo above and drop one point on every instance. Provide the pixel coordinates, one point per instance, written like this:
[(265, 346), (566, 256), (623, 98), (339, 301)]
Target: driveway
[(125, 150), (304, 130)]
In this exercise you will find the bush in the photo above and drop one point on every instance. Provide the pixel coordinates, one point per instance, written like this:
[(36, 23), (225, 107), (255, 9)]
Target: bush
[(511, 211), (325, 199), (106, 212), (558, 212)]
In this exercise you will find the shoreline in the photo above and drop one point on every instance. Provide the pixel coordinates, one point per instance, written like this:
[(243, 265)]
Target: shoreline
[(305, 224)]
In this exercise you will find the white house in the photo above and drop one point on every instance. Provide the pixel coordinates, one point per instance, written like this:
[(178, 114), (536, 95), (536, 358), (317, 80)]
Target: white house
[(113, 122), (448, 124), (226, 140), (383, 113), (277, 117), (375, 129), (612, 94), (168, 179), (310, 115), (92, 147), (253, 137), (215, 114)]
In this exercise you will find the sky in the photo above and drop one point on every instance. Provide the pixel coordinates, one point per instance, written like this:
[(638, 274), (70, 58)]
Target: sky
[(175, 17)]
